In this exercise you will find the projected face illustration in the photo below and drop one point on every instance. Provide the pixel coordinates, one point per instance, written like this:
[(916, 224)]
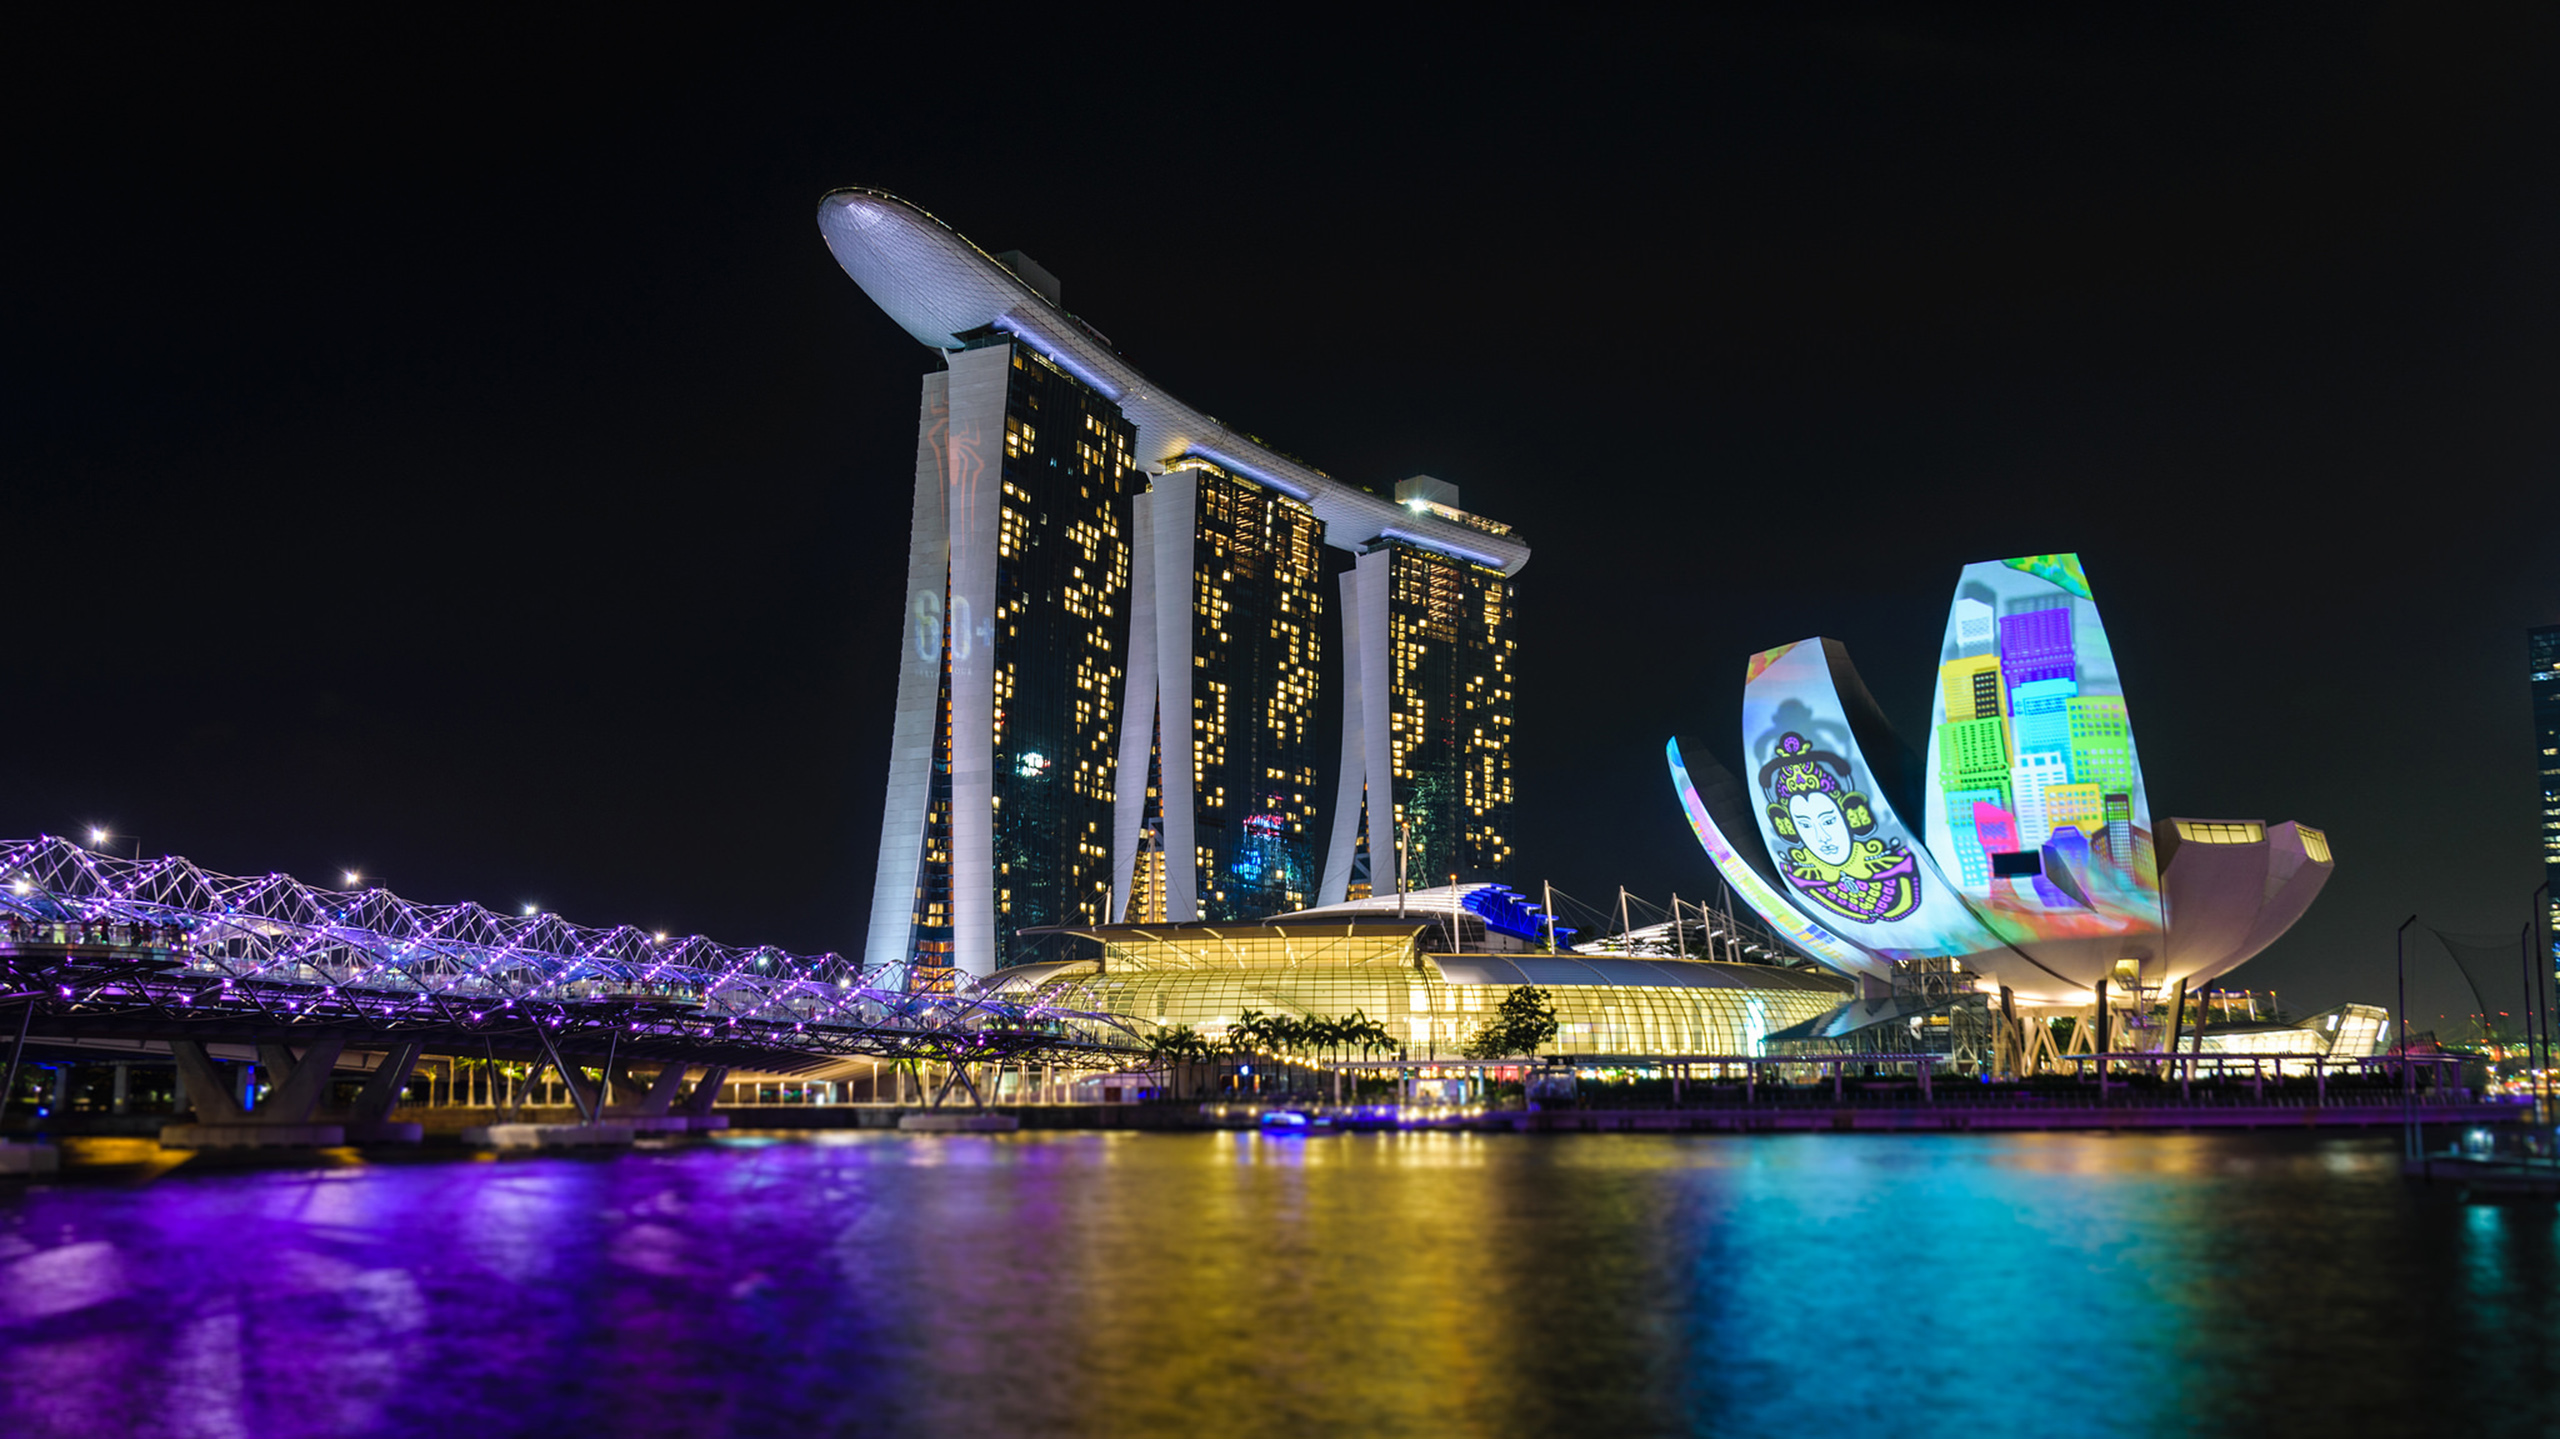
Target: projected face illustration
[(1831, 857), (1821, 827)]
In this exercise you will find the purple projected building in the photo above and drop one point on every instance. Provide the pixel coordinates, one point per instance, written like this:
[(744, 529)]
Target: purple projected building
[(2035, 647)]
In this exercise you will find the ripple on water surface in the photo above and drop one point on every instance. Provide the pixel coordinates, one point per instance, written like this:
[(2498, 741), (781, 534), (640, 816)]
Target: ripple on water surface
[(1131, 1284)]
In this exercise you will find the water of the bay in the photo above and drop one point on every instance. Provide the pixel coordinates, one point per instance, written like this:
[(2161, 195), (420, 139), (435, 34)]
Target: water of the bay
[(1228, 1284)]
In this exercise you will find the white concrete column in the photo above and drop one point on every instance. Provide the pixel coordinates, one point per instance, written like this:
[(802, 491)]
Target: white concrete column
[(1377, 706), (912, 735), (1138, 708), (974, 501), (1175, 517), (1352, 769)]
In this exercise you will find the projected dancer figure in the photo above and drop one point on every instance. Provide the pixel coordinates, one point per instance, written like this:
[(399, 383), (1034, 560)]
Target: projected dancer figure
[(1830, 857)]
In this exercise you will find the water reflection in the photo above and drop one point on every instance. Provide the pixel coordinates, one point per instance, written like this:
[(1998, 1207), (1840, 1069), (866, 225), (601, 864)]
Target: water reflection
[(1243, 1284)]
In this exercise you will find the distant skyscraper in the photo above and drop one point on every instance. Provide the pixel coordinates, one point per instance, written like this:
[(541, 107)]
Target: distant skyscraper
[(2542, 647), (1109, 687)]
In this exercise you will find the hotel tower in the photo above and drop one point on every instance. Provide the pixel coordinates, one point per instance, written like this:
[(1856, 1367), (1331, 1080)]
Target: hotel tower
[(1115, 646)]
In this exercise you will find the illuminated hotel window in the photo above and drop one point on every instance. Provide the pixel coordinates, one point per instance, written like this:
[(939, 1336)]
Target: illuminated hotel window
[(2224, 832)]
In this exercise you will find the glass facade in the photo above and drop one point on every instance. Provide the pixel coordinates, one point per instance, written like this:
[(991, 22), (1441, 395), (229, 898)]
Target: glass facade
[(1451, 647), (1256, 645), (1061, 628), (1058, 630), (1206, 976)]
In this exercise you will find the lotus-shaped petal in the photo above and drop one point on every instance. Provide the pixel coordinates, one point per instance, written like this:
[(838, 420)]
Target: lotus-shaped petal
[(2020, 845)]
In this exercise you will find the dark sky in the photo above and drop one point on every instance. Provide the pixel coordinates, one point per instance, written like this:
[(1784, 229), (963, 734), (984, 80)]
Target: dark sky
[(451, 451)]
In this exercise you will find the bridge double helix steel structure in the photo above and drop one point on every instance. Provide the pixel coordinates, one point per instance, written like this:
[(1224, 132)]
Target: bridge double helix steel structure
[(95, 944)]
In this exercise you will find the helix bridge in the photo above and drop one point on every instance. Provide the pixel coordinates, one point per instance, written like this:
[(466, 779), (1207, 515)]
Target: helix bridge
[(98, 946)]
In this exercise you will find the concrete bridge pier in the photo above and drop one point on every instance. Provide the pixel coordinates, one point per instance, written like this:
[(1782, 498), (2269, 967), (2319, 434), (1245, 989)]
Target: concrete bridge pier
[(223, 1122), (706, 1093), (369, 1118), (651, 1112)]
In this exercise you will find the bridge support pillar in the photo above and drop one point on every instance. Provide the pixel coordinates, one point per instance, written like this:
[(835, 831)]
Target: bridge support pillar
[(300, 1084), (285, 1121), (588, 1098), (203, 1085), (706, 1092), (650, 1105), (369, 1120)]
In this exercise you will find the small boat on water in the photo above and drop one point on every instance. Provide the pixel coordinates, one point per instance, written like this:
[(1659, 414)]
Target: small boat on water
[(1296, 1121), (2538, 1178), (2510, 1163)]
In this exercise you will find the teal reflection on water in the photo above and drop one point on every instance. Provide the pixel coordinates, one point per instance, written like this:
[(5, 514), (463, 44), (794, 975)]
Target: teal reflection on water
[(1234, 1283)]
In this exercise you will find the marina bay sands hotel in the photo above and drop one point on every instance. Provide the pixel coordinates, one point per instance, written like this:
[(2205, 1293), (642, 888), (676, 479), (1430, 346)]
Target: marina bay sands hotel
[(1116, 633)]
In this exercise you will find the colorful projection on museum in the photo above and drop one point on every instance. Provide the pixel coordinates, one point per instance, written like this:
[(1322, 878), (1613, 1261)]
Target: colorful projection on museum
[(2020, 843), (2034, 794)]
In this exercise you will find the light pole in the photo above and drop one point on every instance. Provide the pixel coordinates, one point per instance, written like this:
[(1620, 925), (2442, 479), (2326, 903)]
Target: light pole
[(2541, 971), (2408, 1096)]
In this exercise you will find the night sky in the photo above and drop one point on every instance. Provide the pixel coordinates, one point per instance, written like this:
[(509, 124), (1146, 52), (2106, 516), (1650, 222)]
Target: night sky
[(451, 451)]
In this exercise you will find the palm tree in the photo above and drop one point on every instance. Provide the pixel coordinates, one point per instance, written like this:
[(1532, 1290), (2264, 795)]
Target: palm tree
[(1249, 1033), (1171, 1047), (1330, 1036)]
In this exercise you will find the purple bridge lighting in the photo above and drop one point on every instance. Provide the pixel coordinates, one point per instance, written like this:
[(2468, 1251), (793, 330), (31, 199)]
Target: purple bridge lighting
[(97, 946)]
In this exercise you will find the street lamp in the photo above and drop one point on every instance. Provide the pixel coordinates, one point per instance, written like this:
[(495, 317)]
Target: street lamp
[(2408, 1096)]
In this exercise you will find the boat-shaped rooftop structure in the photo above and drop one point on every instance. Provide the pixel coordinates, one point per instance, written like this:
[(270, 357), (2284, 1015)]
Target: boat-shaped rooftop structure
[(940, 288)]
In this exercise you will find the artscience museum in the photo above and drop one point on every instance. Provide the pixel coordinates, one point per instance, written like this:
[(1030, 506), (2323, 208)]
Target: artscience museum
[(2018, 846)]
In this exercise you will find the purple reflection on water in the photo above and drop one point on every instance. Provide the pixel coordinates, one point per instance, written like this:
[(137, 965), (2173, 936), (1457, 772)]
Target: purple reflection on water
[(1231, 1283)]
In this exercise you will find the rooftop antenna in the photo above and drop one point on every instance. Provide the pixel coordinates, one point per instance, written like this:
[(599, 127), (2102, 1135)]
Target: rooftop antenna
[(1677, 936), (1550, 887), (1626, 933)]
